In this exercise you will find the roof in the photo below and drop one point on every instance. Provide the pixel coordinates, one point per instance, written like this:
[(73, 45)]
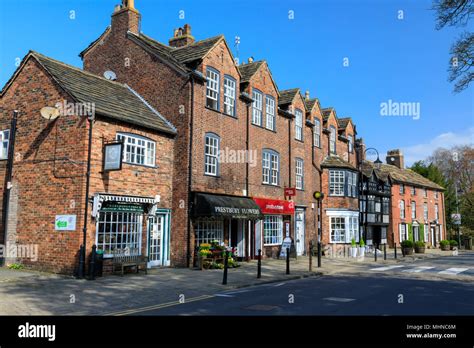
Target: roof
[(311, 103), (326, 112), (368, 168), (249, 69), (343, 122), (408, 176), (287, 96), (111, 99), (334, 161)]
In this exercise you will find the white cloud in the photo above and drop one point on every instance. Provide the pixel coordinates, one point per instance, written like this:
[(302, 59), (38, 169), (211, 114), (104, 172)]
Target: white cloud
[(446, 140)]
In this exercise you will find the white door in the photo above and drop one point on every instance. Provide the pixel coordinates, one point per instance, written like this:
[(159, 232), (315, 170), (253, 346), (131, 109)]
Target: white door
[(299, 231), (158, 240)]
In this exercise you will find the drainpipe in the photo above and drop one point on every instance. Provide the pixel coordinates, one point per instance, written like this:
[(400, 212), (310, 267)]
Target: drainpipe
[(247, 145), (190, 153), (289, 152), (8, 179)]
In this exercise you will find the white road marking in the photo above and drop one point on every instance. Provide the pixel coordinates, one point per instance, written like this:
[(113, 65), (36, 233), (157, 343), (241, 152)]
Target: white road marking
[(223, 295), (453, 270), (279, 284), (418, 269), (386, 268), (339, 299)]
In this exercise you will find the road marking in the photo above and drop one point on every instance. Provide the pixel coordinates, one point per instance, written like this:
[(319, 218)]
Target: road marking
[(159, 306), (385, 268), (223, 295), (418, 269), (279, 284), (339, 299), (453, 270)]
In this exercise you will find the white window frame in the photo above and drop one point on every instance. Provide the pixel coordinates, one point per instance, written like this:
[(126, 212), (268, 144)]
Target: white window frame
[(350, 143), (351, 184), (212, 88), (413, 209), (403, 232), (351, 226), (402, 189), (137, 148), (211, 154), (332, 139), (299, 168), (207, 231), (425, 211), (401, 206), (272, 230), (257, 106), (270, 113), (5, 143), (436, 211), (337, 226), (336, 183), (270, 167), (299, 124), (229, 95), (317, 132)]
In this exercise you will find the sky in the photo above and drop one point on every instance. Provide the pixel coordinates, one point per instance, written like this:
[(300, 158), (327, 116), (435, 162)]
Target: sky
[(365, 58)]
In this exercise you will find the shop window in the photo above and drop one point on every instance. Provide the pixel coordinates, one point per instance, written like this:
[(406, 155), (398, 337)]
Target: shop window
[(208, 231), (272, 229)]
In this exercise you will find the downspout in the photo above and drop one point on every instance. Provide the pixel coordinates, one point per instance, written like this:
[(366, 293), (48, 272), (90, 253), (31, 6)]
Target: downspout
[(247, 145), (190, 152), (289, 152)]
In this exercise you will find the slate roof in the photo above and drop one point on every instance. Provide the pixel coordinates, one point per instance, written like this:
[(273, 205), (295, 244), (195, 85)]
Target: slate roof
[(249, 69), (111, 99), (326, 112), (334, 161), (310, 103), (368, 167), (287, 96), (343, 122)]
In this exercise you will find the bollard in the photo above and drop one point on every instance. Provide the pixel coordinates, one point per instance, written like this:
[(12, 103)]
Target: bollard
[(92, 263), (395, 246), (344, 247), (385, 251), (226, 261), (81, 263), (319, 254), (259, 264), (287, 260), (311, 256), (375, 252)]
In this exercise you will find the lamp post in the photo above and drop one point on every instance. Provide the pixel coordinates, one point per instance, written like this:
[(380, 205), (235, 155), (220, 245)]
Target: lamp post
[(319, 196)]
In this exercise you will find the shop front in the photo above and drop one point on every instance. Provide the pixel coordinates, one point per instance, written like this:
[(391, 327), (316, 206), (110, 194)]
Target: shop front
[(228, 220), (275, 225)]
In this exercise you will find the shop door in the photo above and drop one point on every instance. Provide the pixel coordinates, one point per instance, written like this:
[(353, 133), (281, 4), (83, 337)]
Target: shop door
[(300, 232), (158, 240), (433, 241)]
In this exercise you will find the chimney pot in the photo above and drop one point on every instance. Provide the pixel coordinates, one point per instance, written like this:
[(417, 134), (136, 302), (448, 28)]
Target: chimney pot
[(250, 60), (306, 95), (182, 37)]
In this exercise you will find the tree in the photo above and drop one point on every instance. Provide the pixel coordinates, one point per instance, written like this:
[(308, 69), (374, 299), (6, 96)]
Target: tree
[(457, 13)]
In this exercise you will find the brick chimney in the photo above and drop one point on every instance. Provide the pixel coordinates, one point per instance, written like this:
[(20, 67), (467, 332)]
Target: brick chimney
[(182, 37), (395, 157), (126, 18)]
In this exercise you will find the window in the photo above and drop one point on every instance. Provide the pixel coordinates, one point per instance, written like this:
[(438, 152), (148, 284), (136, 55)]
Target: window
[(332, 140), (352, 184), (436, 194), (257, 107), (425, 211), (353, 229), (403, 232), (299, 174), (402, 209), (137, 149), (5, 139), (229, 96), (336, 183), (212, 90), (386, 205), (208, 231), (427, 233), (119, 230), (270, 112), (270, 167), (351, 144), (338, 230), (413, 210), (299, 125), (317, 133), (211, 154), (436, 212), (402, 189), (413, 190), (425, 193), (272, 229)]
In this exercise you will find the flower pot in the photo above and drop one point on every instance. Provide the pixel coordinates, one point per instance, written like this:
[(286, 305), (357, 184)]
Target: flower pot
[(361, 251), (407, 251), (420, 250), (353, 252)]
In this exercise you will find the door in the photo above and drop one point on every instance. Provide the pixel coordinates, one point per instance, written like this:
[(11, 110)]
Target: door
[(299, 231), (158, 240), (433, 241)]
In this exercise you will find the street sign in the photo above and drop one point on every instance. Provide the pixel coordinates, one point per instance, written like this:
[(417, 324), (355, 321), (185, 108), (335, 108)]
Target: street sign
[(290, 191), (65, 223), (456, 219)]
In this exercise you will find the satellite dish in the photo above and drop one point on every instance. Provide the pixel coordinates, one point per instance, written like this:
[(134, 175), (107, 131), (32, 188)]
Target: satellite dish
[(50, 113), (110, 75)]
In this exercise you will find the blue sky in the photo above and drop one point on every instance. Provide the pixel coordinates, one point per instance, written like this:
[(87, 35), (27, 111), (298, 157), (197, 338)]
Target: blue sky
[(403, 60)]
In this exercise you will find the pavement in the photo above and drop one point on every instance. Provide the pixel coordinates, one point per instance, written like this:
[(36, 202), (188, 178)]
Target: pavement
[(25, 292)]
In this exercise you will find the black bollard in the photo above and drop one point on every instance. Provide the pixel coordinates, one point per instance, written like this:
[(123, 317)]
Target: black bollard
[(395, 246), (385, 251), (319, 254), (311, 256), (287, 260), (81, 262), (375, 252), (92, 263), (226, 261), (259, 264)]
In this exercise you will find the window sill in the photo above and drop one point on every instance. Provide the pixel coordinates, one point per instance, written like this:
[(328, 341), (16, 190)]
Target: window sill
[(271, 245), (300, 140), (270, 185), (221, 113), (265, 128), (212, 176), (140, 165)]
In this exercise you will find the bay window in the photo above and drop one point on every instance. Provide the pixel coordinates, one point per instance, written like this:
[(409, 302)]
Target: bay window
[(344, 228), (336, 183)]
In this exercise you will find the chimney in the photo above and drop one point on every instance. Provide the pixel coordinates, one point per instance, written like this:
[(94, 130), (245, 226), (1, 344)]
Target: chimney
[(395, 157), (360, 148), (250, 61), (306, 95), (182, 37), (126, 18)]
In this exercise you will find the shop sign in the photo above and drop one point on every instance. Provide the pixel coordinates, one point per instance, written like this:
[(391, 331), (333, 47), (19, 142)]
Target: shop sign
[(274, 206), (113, 153), (65, 223), (121, 207), (286, 244), (456, 219), (290, 192)]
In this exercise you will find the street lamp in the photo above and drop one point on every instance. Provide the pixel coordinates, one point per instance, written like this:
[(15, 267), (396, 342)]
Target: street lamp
[(319, 196)]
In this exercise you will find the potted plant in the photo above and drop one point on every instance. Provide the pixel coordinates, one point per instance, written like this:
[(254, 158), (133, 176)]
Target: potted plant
[(420, 247), (407, 247), (361, 247), (452, 244), (353, 248), (445, 245)]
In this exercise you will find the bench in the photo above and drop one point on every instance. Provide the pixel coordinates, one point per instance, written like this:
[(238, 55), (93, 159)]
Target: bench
[(123, 258)]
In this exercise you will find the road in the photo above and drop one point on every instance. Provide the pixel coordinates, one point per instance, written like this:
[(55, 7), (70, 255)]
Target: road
[(426, 287)]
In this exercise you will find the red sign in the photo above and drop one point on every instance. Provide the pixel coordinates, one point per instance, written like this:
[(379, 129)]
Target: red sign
[(275, 206), (290, 191)]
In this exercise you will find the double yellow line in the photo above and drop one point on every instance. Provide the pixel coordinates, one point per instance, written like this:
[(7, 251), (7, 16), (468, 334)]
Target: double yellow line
[(158, 306)]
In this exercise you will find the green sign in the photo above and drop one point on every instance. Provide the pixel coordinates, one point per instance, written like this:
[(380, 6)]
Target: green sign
[(123, 207), (65, 223)]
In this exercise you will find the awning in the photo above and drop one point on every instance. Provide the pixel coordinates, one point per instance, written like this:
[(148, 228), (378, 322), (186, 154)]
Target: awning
[(209, 205)]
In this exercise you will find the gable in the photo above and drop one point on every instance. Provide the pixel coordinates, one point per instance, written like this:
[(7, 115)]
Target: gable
[(220, 56)]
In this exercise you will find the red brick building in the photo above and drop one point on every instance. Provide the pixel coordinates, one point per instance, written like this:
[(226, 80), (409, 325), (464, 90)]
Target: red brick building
[(46, 194)]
